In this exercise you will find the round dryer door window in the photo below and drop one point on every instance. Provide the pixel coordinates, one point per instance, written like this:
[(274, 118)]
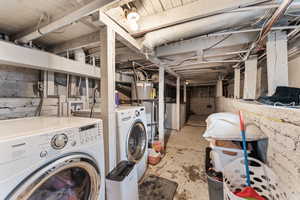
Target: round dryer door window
[(137, 142), (70, 179)]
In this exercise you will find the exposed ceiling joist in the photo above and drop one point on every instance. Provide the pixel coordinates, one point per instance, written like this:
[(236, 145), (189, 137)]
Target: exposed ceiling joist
[(77, 43), (232, 53), (201, 71), (124, 54), (199, 44), (198, 66), (159, 63), (188, 12), (198, 63), (115, 4), (66, 20), (122, 35), (253, 30)]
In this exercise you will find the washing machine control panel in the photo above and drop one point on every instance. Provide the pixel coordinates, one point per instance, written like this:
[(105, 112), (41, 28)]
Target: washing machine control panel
[(69, 139), (88, 134)]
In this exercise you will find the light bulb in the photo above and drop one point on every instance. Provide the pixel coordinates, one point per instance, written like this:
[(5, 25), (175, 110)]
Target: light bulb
[(133, 25), (133, 16)]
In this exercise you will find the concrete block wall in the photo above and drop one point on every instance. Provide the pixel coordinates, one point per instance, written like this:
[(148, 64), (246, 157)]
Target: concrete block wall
[(282, 126), (201, 103), (294, 71)]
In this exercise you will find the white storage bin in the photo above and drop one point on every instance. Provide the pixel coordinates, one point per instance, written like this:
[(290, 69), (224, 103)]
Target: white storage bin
[(263, 180), (220, 158)]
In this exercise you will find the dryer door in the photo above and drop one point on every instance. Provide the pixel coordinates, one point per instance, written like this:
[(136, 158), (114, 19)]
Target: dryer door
[(136, 142), (73, 177)]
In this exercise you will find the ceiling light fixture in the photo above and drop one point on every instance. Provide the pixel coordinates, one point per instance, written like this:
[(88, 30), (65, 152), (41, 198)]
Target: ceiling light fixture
[(132, 16)]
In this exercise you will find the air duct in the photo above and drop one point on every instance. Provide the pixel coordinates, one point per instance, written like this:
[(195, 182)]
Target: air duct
[(198, 27)]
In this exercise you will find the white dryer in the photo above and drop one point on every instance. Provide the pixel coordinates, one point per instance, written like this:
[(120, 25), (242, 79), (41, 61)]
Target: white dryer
[(51, 158), (132, 136)]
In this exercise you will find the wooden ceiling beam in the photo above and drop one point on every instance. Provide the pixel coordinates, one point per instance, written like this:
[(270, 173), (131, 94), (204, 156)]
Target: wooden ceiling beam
[(64, 21)]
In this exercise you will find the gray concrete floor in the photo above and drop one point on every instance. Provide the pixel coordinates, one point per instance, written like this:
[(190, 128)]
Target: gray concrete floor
[(184, 161)]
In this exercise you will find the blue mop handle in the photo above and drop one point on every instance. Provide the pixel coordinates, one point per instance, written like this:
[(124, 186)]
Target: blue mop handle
[(243, 132), (246, 158)]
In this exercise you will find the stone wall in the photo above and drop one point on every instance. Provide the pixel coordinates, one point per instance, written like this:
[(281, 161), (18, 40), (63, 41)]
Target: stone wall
[(11, 108), (19, 96), (282, 126), (18, 82)]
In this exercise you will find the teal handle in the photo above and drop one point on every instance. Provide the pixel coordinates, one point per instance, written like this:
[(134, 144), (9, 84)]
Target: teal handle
[(246, 158)]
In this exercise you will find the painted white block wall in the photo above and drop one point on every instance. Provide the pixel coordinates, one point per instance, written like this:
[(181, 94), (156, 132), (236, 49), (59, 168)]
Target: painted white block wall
[(250, 81), (284, 137), (277, 61), (294, 72)]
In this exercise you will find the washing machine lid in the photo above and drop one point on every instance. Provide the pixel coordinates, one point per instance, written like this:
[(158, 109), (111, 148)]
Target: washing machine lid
[(71, 177), (136, 142)]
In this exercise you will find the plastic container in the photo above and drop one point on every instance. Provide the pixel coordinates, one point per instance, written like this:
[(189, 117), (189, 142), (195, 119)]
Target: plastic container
[(122, 182), (215, 187), (221, 156), (154, 157), (263, 180)]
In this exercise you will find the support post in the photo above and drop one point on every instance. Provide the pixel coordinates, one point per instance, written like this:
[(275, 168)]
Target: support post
[(219, 87), (108, 39), (237, 83), (80, 56), (178, 104), (87, 92), (259, 83), (73, 87), (50, 83), (161, 101), (45, 85), (184, 92), (250, 81), (277, 61)]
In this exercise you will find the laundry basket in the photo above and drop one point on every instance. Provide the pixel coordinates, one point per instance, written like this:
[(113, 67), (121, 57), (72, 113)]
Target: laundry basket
[(263, 180)]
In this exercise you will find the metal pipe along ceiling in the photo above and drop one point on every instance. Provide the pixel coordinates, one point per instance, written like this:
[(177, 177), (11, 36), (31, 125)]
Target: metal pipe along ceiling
[(198, 27), (276, 16)]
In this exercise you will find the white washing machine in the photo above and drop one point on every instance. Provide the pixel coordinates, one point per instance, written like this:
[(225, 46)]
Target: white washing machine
[(51, 158), (132, 136)]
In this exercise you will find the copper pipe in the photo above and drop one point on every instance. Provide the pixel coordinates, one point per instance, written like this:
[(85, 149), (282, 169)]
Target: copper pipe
[(276, 16)]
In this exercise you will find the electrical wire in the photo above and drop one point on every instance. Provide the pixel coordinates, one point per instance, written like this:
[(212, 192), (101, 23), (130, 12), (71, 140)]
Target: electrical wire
[(48, 21), (219, 42), (94, 102), (135, 83)]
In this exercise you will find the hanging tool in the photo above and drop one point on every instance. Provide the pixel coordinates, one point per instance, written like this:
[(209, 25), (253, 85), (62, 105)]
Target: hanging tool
[(248, 192)]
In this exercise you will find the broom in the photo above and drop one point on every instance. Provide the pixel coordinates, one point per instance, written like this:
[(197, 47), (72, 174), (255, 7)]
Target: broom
[(248, 192)]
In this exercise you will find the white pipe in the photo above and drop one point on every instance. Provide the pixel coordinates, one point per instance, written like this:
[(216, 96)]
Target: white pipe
[(252, 30), (198, 27)]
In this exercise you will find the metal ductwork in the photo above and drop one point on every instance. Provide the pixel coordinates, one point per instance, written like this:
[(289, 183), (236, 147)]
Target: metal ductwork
[(198, 27)]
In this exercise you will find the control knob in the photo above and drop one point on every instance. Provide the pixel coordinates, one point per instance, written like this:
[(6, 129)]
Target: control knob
[(59, 141)]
